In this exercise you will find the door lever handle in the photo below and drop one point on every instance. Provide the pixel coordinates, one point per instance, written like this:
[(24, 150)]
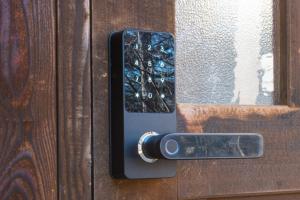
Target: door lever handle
[(193, 146)]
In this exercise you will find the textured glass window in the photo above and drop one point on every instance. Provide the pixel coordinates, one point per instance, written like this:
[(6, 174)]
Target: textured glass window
[(224, 51)]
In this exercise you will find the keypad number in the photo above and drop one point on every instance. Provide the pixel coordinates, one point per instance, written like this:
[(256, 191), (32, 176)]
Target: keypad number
[(150, 85), (136, 63)]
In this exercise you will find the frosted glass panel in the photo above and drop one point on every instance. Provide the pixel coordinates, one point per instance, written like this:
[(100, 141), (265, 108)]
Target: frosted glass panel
[(224, 51)]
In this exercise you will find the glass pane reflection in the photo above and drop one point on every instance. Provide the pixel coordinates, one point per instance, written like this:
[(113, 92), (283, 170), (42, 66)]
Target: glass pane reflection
[(224, 51)]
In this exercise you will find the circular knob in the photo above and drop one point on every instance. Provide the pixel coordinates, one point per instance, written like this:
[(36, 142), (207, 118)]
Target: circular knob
[(142, 151)]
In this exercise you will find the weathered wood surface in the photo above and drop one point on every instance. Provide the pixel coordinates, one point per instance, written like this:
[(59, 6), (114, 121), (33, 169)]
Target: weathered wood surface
[(266, 197), (108, 16), (30, 116), (280, 52), (278, 196), (293, 52), (74, 99), (28, 155), (275, 172)]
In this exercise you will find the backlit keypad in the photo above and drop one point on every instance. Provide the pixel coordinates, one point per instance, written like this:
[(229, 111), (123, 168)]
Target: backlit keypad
[(149, 72)]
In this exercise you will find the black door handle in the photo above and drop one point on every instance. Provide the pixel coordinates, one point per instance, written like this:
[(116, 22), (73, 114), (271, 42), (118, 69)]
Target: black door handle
[(190, 146)]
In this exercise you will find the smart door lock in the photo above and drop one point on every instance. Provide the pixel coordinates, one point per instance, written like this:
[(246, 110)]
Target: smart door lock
[(143, 138)]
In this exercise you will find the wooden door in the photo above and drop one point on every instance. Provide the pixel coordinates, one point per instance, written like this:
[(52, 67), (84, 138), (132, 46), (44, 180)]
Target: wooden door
[(272, 177), (54, 108)]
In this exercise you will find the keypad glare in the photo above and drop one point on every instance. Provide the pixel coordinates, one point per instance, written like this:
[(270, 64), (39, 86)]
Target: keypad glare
[(149, 71)]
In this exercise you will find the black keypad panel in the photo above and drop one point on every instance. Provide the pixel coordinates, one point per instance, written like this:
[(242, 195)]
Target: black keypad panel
[(149, 72)]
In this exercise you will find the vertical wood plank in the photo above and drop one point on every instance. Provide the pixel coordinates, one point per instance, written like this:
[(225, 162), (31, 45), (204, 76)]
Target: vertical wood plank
[(280, 52), (74, 99), (267, 197), (293, 46), (28, 158), (108, 16)]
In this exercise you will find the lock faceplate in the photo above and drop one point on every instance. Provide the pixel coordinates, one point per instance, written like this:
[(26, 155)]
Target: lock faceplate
[(142, 98)]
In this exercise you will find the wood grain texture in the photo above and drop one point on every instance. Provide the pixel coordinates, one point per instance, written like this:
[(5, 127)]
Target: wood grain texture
[(280, 52), (293, 53), (74, 102), (275, 172), (28, 155), (108, 16), (265, 197)]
